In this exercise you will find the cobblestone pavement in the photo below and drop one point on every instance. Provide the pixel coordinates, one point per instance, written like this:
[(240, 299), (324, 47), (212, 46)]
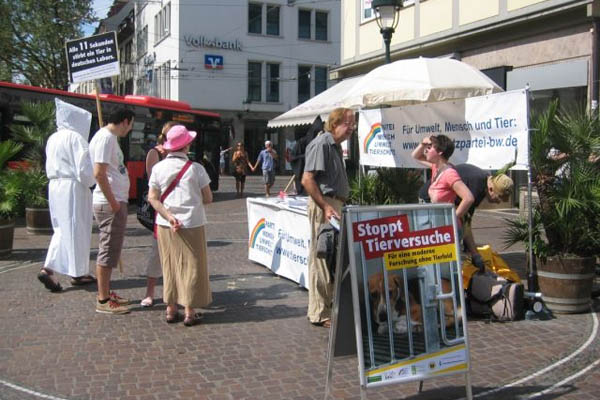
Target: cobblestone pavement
[(255, 341)]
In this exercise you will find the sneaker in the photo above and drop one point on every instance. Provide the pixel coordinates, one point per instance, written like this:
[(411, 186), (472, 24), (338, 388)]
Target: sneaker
[(118, 299), (111, 307)]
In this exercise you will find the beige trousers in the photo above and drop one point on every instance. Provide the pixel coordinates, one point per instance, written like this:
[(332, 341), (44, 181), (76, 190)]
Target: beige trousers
[(320, 281), (185, 271)]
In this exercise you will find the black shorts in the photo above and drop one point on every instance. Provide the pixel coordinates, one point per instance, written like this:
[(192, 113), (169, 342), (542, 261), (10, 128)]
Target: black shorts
[(239, 177)]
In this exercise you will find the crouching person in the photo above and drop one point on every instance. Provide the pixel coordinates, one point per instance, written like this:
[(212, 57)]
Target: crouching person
[(178, 190)]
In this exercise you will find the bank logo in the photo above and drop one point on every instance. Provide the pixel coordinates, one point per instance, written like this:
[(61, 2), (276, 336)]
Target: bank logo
[(375, 129), (260, 225)]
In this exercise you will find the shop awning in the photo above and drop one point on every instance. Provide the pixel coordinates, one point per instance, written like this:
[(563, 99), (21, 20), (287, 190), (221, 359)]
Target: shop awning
[(322, 105)]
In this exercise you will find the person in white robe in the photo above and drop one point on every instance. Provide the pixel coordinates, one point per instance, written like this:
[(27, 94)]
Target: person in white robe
[(70, 172)]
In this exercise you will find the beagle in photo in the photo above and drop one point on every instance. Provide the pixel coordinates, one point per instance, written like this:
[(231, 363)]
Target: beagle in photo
[(398, 299)]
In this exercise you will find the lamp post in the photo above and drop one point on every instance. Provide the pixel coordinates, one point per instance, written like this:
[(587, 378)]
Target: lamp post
[(387, 14)]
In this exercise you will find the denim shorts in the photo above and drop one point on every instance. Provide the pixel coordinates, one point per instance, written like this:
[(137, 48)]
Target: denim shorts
[(268, 177)]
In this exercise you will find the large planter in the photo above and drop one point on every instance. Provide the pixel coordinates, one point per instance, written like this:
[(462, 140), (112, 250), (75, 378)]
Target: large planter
[(38, 221), (566, 283), (7, 234)]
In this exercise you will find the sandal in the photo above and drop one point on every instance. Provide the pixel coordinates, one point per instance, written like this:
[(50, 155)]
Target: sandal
[(52, 286), (324, 324), (173, 318), (191, 320), (82, 280)]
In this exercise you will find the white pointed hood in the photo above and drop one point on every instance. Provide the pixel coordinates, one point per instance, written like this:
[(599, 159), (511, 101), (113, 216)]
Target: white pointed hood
[(73, 118)]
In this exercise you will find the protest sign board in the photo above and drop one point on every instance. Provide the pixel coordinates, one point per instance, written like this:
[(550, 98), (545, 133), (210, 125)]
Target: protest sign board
[(488, 131), (92, 57), (399, 261)]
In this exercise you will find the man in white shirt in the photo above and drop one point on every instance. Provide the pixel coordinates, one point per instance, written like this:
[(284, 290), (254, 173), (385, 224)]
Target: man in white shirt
[(70, 173), (110, 205)]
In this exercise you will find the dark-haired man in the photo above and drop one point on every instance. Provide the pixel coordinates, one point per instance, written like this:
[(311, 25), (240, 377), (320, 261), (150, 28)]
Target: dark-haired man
[(110, 205)]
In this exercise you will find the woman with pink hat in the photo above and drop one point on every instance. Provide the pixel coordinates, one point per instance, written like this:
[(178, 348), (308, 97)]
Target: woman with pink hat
[(178, 190)]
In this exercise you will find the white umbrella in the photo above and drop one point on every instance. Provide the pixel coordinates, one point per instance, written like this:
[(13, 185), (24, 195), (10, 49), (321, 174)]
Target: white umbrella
[(418, 80)]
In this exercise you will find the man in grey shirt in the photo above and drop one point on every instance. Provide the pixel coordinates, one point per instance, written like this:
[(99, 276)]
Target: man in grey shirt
[(326, 183)]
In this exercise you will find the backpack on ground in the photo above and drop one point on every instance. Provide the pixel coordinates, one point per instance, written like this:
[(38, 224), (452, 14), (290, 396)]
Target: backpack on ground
[(490, 295)]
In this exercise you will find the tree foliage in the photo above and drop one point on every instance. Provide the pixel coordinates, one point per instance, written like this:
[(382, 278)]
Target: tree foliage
[(33, 35)]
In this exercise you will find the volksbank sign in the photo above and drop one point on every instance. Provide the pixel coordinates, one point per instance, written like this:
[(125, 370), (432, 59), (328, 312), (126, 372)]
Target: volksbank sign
[(203, 41)]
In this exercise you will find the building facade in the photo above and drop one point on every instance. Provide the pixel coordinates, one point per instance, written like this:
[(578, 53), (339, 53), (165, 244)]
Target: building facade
[(549, 45), (248, 60)]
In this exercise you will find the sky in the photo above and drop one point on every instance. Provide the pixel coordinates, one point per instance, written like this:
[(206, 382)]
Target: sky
[(101, 8)]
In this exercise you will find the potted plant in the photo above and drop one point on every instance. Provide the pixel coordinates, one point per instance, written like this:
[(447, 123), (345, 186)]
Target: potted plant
[(565, 167), (34, 135), (10, 192)]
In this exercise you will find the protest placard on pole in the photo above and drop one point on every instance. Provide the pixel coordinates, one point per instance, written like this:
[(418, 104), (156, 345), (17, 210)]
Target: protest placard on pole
[(93, 57)]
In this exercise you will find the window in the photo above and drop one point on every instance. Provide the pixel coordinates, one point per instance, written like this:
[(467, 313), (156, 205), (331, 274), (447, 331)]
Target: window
[(368, 13), (162, 23), (320, 79), (273, 20), (254, 79), (304, 17), (273, 82), (303, 83), (320, 25), (255, 18), (142, 41), (162, 81), (306, 22), (156, 27), (126, 57)]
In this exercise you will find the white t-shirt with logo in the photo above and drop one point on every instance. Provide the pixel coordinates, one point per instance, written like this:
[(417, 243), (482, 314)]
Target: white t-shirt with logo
[(104, 149)]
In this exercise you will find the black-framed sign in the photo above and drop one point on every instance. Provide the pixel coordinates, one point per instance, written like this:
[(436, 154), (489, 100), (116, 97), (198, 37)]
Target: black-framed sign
[(92, 57)]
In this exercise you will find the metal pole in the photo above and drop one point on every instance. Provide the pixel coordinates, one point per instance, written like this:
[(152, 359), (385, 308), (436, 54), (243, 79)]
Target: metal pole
[(594, 60), (387, 39), (531, 274)]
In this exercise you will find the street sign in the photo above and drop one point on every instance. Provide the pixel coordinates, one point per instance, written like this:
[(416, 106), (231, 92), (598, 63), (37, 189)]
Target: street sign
[(393, 262), (92, 57)]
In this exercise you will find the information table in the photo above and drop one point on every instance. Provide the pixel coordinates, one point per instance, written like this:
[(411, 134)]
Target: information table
[(279, 236)]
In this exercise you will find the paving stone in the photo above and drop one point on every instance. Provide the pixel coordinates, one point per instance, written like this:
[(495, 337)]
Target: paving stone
[(255, 341)]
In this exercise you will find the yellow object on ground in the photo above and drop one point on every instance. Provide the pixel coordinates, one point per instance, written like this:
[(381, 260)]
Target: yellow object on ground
[(493, 262)]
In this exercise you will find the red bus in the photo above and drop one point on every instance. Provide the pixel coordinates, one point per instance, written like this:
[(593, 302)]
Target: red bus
[(150, 114)]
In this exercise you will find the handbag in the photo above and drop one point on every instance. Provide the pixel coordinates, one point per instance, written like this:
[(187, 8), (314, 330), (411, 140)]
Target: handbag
[(145, 212), (170, 189)]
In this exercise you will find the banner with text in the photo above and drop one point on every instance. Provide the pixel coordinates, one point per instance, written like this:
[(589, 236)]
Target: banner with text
[(93, 57), (279, 239), (488, 131)]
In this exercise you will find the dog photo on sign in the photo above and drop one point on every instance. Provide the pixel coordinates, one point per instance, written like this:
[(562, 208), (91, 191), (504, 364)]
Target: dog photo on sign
[(398, 304)]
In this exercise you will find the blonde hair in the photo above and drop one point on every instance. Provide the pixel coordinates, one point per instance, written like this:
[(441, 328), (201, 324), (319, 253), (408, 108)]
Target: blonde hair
[(336, 117), (163, 132)]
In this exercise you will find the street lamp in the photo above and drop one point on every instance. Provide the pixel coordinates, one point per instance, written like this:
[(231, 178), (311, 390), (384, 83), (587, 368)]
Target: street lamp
[(387, 14)]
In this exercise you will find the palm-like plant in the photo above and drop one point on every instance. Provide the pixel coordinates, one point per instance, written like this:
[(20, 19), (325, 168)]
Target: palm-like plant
[(568, 186), (10, 181), (34, 134), (386, 186)]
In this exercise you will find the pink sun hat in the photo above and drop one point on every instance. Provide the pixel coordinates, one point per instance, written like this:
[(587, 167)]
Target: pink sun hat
[(178, 137)]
